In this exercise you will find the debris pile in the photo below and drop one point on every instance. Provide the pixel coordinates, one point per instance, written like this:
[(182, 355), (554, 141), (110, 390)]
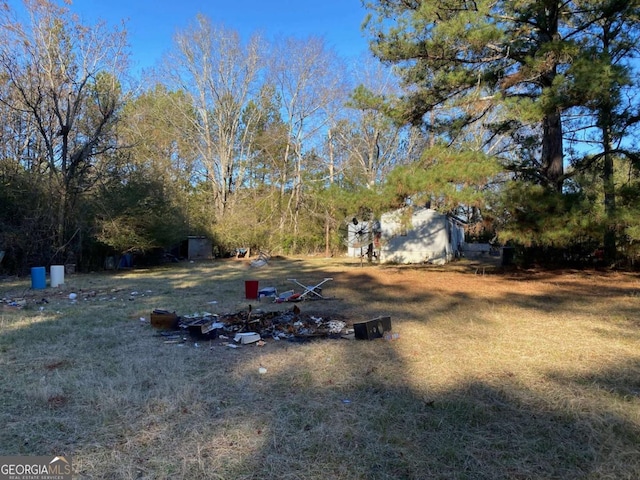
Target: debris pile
[(250, 325), (17, 302)]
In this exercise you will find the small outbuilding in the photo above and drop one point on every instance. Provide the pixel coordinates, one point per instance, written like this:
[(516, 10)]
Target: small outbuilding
[(420, 235), (199, 248)]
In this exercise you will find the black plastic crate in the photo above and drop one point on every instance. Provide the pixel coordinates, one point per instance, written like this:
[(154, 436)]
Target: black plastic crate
[(372, 329)]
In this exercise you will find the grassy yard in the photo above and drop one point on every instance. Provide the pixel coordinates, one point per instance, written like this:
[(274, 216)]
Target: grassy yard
[(532, 375)]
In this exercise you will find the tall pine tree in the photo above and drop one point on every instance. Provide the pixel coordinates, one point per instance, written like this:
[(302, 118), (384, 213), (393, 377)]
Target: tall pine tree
[(511, 66)]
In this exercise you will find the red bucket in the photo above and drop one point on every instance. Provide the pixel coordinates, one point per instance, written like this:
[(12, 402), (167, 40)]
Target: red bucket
[(251, 289)]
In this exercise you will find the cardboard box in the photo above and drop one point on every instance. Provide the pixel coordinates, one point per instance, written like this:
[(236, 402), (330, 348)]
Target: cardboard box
[(164, 320), (372, 329)]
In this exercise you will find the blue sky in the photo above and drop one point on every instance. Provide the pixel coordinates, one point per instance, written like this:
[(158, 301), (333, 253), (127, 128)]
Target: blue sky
[(152, 23)]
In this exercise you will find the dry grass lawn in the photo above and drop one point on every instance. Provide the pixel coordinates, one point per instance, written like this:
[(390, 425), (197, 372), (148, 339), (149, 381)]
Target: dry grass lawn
[(529, 375)]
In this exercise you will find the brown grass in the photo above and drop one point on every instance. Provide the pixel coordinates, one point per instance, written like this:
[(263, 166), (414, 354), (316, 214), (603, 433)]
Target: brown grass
[(496, 376)]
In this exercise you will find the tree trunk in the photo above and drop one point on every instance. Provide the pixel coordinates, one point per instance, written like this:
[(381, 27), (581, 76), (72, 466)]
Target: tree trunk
[(609, 195), (327, 237), (610, 250), (552, 156)]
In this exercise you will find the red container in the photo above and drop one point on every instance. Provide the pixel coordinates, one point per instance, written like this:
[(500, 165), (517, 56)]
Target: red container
[(251, 289)]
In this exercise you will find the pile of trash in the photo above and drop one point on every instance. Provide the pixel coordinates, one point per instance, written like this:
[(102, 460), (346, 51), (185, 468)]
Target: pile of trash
[(17, 302), (250, 325)]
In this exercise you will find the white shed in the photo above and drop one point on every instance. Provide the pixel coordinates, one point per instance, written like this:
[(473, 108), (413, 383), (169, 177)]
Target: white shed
[(419, 235)]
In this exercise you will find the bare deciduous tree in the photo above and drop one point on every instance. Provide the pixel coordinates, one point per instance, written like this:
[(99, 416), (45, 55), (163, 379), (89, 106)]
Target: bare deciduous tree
[(63, 80), (309, 79), (372, 142), (221, 74)]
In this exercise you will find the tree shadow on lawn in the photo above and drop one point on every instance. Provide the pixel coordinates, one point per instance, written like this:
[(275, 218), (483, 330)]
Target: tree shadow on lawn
[(136, 408), (560, 292), (298, 422), (621, 382), (354, 293)]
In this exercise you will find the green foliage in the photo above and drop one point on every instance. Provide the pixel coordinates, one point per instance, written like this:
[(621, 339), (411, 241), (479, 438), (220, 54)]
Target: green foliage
[(571, 226), (527, 62), (535, 74), (447, 178), (136, 217), (258, 152), (624, 221), (25, 224), (543, 217), (61, 96), (248, 225), (362, 98)]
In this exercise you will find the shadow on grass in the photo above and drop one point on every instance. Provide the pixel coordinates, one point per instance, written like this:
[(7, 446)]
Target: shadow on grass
[(621, 382), (111, 395), (296, 422), (341, 411)]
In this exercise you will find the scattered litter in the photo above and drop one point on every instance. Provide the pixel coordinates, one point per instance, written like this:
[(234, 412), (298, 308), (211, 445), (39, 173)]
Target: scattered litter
[(73, 296), (205, 326), (253, 326), (267, 292), (247, 337), (316, 290), (262, 370), (261, 261), (211, 326), (164, 320), (212, 302), (14, 302), (285, 296), (391, 336), (289, 297), (346, 401), (336, 326)]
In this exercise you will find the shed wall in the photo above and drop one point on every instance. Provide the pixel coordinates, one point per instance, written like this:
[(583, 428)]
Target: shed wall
[(199, 249), (427, 236)]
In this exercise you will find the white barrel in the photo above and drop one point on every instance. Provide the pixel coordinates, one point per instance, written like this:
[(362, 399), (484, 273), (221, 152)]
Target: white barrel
[(57, 275)]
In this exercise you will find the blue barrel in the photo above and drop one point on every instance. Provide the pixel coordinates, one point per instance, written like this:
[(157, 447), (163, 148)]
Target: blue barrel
[(38, 278)]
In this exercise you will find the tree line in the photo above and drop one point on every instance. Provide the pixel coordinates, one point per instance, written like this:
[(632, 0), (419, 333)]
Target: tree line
[(519, 117)]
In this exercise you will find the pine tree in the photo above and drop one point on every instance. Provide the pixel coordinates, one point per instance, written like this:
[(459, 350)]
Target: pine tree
[(525, 70)]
